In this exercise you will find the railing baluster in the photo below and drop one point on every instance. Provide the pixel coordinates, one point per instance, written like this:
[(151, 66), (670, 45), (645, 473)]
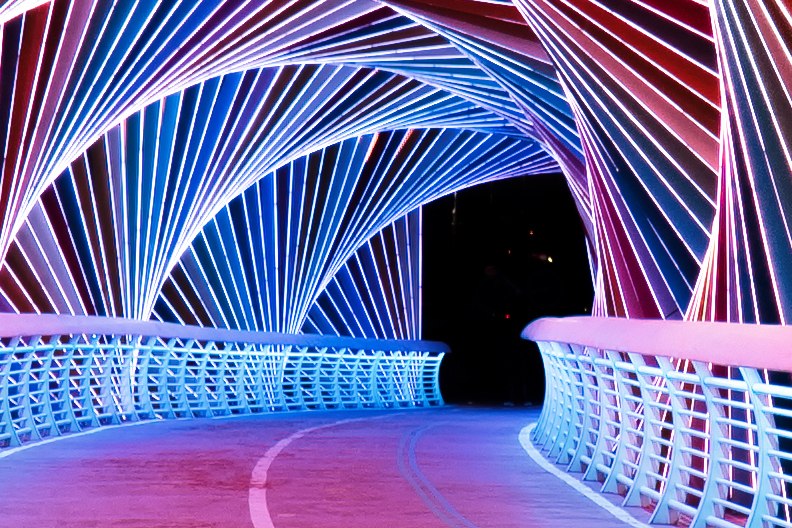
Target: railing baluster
[(647, 379), (8, 435), (555, 410), (767, 443), (601, 450), (622, 418), (93, 371), (699, 440), (708, 507), (142, 396), (588, 415)]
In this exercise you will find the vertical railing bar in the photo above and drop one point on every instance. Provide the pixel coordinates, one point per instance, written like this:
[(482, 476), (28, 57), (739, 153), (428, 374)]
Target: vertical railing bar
[(767, 443), (634, 496), (610, 484), (600, 447), (588, 415), (707, 507)]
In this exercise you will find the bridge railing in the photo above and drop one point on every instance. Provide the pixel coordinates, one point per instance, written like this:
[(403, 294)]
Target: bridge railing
[(690, 421), (60, 374)]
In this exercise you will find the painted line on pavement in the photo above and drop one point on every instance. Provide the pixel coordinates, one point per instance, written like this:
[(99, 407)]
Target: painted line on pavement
[(257, 496), (596, 498)]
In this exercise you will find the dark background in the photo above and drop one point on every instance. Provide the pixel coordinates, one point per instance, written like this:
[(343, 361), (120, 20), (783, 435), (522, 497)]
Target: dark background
[(497, 256)]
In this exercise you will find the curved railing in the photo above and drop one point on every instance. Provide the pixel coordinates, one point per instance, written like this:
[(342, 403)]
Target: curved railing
[(61, 374), (691, 421)]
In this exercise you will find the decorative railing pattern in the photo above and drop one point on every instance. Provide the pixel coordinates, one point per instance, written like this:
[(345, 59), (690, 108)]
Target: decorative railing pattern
[(61, 375), (691, 421)]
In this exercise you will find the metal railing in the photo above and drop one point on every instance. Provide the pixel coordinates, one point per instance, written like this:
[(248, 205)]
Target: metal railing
[(61, 374), (691, 421)]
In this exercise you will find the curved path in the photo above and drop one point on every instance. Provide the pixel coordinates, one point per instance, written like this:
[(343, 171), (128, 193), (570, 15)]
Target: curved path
[(458, 467)]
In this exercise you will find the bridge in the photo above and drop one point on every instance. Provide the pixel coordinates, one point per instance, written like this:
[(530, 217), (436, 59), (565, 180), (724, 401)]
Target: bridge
[(644, 422), (211, 249), (449, 467)]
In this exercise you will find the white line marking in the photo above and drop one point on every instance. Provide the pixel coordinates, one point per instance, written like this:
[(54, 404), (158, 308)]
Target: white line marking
[(257, 497), (599, 500), (37, 443)]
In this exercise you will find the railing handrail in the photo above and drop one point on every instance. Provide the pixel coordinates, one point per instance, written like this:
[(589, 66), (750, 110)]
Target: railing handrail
[(13, 325), (744, 345)]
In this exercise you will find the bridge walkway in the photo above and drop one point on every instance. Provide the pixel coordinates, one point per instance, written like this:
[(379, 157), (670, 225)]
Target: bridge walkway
[(452, 466)]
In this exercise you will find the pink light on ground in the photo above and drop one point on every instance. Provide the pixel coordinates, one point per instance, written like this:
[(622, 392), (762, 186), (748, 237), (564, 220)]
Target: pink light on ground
[(461, 467)]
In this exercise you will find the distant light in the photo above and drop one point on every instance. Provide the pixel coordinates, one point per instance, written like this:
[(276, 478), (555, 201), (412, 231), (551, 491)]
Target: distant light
[(507, 316), (530, 233), (549, 259)]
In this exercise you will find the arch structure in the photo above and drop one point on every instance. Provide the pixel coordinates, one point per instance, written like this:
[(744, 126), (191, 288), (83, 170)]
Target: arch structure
[(260, 165), (136, 134)]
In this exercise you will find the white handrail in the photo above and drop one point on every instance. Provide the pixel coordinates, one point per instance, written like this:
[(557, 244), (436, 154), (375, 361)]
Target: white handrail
[(744, 345), (690, 421), (12, 325)]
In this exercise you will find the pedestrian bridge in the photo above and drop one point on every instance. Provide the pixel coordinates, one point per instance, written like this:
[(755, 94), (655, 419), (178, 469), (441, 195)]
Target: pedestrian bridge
[(262, 165), (457, 467), (110, 422)]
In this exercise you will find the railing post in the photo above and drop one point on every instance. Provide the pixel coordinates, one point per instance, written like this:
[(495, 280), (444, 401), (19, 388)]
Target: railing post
[(435, 361), (8, 433), (551, 419), (374, 377), (202, 406), (279, 357), (292, 370), (124, 347), (220, 364), (104, 361), (568, 401), (27, 416), (608, 419), (71, 365), (178, 359), (142, 397), (59, 389), (540, 431), (241, 379), (625, 437), (590, 394), (325, 395), (577, 406), (663, 513), (767, 443), (653, 391), (707, 507), (334, 379), (159, 362), (255, 364), (362, 395), (385, 383)]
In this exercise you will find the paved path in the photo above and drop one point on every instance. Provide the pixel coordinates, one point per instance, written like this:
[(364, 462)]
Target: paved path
[(457, 466)]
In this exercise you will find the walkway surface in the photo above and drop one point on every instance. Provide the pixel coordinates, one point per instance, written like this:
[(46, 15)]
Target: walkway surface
[(456, 466)]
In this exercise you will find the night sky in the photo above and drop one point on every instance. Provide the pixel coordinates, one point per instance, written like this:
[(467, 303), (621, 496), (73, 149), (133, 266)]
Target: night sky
[(497, 256)]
